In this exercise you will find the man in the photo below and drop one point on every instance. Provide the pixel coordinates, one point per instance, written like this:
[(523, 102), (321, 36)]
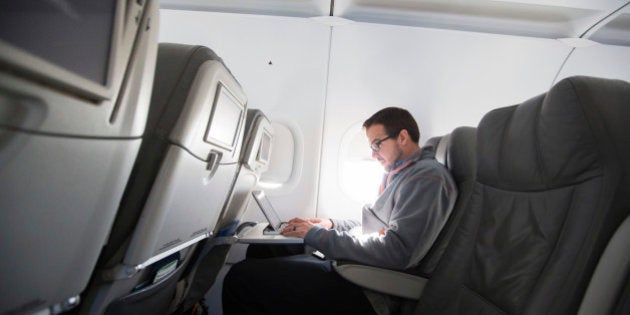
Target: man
[(416, 197)]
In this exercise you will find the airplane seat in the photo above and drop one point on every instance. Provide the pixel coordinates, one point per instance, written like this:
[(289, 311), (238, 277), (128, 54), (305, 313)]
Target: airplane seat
[(179, 184), (254, 160), (459, 158), (441, 149), (75, 87), (457, 150), (552, 186), (622, 305), (432, 143), (606, 292)]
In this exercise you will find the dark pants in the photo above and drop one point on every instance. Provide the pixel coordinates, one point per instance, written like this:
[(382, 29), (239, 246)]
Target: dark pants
[(298, 284)]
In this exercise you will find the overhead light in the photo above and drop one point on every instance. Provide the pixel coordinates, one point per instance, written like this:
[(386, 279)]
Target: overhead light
[(577, 42)]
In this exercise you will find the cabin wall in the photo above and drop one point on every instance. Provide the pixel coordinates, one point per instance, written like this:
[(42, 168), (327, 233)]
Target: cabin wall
[(324, 81)]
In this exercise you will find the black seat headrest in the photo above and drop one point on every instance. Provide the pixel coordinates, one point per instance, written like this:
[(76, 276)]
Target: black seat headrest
[(460, 156), (458, 152), (432, 143), (556, 138)]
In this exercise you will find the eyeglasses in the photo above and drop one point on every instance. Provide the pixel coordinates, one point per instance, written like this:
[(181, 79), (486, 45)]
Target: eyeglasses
[(376, 145)]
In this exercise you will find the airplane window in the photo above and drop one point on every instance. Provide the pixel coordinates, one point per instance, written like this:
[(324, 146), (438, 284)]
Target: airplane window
[(359, 174), (281, 164)]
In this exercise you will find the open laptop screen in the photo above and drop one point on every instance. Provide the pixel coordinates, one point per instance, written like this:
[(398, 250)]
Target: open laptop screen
[(267, 209)]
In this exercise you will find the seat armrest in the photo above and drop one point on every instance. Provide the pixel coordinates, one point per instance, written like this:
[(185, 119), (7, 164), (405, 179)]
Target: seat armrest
[(607, 281), (382, 280)]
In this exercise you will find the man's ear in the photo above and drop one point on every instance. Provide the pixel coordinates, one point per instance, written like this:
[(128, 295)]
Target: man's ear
[(404, 137)]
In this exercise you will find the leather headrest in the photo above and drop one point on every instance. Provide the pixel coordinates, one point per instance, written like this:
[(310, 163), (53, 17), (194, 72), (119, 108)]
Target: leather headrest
[(461, 159), (432, 143), (558, 138)]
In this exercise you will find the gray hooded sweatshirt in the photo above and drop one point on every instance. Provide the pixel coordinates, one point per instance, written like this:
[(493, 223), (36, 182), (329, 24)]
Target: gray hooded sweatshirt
[(401, 225)]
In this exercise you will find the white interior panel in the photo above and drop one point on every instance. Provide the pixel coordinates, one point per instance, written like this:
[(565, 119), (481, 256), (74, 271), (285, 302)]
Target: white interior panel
[(281, 64), (445, 78)]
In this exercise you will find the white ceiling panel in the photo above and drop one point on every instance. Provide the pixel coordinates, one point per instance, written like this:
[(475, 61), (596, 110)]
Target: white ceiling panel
[(606, 20)]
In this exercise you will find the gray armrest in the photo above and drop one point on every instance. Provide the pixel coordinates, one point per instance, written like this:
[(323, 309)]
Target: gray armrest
[(608, 280), (382, 280)]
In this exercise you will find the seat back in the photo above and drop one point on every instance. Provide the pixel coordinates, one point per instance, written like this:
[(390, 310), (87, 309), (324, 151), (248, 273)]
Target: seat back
[(432, 143), (457, 150), (254, 160), (552, 186), (622, 305), (179, 184), (609, 289), (75, 87)]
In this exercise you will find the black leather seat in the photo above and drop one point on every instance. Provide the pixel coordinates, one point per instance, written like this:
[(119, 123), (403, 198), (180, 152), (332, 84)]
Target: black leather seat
[(432, 143), (460, 160), (552, 186), (609, 289), (623, 303)]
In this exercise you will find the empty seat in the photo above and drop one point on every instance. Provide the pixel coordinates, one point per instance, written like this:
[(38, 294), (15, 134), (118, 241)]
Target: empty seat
[(74, 98), (179, 185), (457, 150), (552, 186)]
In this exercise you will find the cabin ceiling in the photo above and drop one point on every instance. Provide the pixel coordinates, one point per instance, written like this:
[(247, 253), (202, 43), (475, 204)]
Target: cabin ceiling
[(603, 21)]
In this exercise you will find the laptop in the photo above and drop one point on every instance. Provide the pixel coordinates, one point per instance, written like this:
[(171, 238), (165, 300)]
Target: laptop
[(275, 223)]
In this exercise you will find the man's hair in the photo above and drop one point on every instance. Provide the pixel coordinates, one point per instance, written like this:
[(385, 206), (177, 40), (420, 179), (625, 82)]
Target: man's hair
[(394, 120)]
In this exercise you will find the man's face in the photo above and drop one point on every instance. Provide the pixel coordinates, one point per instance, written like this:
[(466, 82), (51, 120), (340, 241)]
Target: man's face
[(388, 149)]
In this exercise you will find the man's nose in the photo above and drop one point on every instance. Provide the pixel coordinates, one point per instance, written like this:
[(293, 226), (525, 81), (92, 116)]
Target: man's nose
[(374, 154)]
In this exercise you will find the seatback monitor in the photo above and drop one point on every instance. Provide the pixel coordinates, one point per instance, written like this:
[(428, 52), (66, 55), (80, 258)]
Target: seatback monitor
[(265, 147), (78, 34), (226, 119)]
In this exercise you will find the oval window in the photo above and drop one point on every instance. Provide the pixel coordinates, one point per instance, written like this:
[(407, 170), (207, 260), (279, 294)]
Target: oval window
[(359, 173)]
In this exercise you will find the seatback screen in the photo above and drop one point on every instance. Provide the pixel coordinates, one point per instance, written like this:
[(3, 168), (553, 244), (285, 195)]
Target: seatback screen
[(265, 147), (74, 34), (226, 120)]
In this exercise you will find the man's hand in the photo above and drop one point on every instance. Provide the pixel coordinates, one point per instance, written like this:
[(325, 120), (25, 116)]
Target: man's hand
[(298, 227), (325, 223)]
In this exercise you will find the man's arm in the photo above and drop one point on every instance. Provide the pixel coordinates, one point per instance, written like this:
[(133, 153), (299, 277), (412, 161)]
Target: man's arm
[(422, 206), (298, 227)]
